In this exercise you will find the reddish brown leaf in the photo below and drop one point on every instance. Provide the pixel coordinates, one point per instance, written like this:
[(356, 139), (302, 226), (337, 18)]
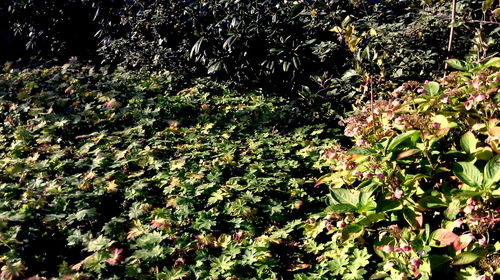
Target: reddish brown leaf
[(407, 153), (445, 237), (462, 241)]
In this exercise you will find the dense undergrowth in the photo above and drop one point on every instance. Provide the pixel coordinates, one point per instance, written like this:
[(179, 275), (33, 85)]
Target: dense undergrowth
[(121, 177)]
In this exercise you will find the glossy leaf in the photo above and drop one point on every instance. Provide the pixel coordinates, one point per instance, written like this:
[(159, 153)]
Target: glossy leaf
[(400, 139), (468, 142), (468, 174), (465, 258), (492, 171), (444, 237)]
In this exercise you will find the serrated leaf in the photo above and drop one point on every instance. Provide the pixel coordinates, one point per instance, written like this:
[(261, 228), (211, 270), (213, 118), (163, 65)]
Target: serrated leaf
[(468, 173), (99, 243), (468, 142)]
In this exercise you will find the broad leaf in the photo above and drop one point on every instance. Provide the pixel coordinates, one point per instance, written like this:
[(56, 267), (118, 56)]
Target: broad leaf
[(345, 196), (468, 174), (465, 258), (352, 231), (400, 139), (431, 202), (444, 237), (432, 88), (462, 241), (492, 171), (468, 142), (457, 64), (388, 205), (494, 62)]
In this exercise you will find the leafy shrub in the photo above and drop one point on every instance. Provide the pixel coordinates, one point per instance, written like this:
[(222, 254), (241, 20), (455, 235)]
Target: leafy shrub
[(53, 29), (420, 184), (275, 44)]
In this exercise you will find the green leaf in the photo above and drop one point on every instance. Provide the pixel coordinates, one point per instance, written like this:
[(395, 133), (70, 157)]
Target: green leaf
[(494, 62), (296, 10), (465, 258), (173, 274), (388, 205), (468, 173), (453, 209), (431, 202), (338, 265), (468, 142), (411, 217), (99, 243), (334, 179), (360, 151), (366, 202), (487, 5), (345, 196), (400, 139), (432, 88), (352, 231), (342, 208), (439, 261), (457, 64), (492, 171)]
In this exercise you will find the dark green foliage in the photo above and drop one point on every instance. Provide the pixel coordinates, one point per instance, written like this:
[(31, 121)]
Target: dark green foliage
[(275, 44)]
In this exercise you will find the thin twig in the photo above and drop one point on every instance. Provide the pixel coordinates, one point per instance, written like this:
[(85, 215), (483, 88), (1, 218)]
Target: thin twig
[(452, 30)]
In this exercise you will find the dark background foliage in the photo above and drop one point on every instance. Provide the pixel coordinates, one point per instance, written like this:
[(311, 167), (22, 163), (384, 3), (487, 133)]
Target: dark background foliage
[(277, 45)]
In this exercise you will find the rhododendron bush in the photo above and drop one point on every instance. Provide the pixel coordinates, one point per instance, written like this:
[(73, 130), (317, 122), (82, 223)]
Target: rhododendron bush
[(420, 184)]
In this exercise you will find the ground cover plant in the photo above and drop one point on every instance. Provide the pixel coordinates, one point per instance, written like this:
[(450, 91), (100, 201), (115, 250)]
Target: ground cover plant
[(115, 177)]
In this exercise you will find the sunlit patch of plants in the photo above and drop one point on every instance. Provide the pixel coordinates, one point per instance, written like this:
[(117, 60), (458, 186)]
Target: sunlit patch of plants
[(120, 177), (419, 186)]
